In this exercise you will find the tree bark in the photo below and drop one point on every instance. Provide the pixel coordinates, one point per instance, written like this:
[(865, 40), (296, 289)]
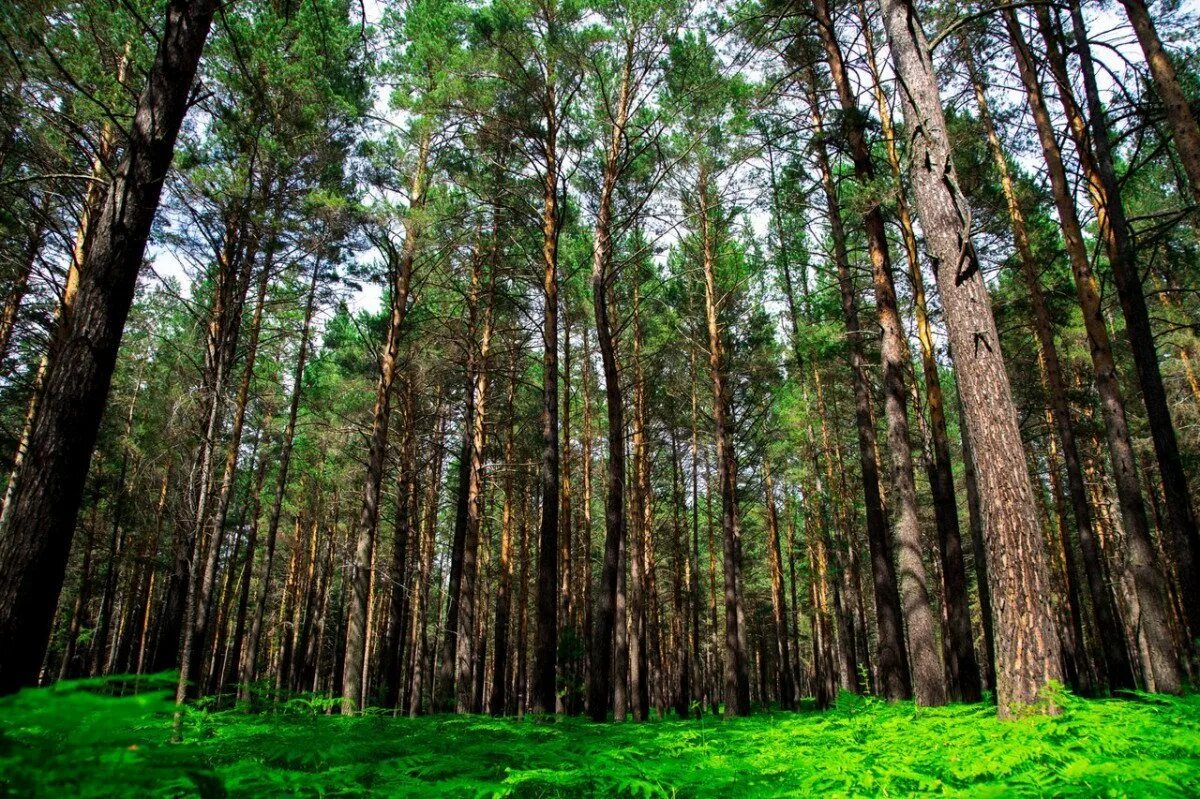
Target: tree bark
[(895, 681), (1108, 624), (41, 514), (1028, 648)]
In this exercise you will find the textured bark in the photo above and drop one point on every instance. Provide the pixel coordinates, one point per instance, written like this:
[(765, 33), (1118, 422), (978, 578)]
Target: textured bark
[(1027, 645), (1108, 624), (1149, 582), (927, 671), (1105, 191), (895, 681), (40, 518), (962, 667)]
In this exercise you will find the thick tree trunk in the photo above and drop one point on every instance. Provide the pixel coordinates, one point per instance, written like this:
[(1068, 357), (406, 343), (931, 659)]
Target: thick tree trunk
[(40, 518), (1108, 623), (962, 667), (1028, 648), (927, 671)]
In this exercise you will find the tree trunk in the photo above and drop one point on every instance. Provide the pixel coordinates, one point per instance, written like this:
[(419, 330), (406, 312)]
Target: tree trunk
[(478, 368), (600, 687), (962, 668), (364, 548), (895, 681), (1028, 648), (41, 514), (1184, 127), (1108, 623), (1149, 582), (737, 683), (545, 656), (927, 672)]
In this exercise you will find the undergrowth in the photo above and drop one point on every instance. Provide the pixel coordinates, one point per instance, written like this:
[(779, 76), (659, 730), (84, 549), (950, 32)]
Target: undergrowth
[(79, 739)]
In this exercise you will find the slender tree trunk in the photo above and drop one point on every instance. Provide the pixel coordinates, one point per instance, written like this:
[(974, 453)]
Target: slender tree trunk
[(248, 668), (364, 548), (1149, 582), (892, 657), (778, 598), (600, 687), (478, 365), (1184, 127), (737, 683), (18, 286), (500, 649), (927, 672)]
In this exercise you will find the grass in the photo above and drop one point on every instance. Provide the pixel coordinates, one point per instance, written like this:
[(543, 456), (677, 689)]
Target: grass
[(79, 740)]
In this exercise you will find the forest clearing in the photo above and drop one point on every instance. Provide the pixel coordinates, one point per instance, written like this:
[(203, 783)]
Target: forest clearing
[(599, 397)]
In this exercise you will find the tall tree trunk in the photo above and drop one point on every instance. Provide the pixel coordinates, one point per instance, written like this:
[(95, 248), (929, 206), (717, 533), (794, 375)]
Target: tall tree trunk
[(545, 655), (401, 275), (737, 683), (1108, 623), (639, 688), (1133, 304), (1028, 648), (600, 687), (895, 681), (478, 367), (396, 635), (778, 598), (1148, 580), (500, 649), (927, 671), (1184, 127), (248, 668), (962, 666), (41, 514)]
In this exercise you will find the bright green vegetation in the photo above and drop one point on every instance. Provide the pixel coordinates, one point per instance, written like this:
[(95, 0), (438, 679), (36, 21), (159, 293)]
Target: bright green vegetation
[(76, 741)]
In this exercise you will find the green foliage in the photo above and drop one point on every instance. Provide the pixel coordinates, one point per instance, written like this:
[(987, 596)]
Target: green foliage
[(94, 738)]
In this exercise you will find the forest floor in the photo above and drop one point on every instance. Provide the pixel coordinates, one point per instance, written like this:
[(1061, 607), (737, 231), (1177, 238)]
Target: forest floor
[(79, 741)]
